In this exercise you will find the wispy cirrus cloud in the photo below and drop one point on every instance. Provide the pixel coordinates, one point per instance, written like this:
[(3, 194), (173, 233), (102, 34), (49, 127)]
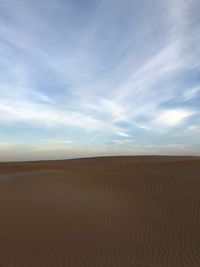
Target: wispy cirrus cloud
[(109, 71), (173, 117), (191, 93)]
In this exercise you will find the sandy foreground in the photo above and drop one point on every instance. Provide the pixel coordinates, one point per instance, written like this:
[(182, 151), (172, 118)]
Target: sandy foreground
[(114, 211)]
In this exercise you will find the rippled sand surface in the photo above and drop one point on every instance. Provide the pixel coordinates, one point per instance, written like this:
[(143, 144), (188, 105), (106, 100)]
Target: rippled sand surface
[(114, 211)]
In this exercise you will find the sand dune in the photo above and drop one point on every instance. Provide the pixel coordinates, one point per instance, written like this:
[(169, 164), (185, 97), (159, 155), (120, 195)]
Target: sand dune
[(115, 211)]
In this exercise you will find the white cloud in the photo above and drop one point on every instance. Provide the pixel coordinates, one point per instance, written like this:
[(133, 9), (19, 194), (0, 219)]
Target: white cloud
[(191, 93), (49, 116), (123, 134), (94, 74), (173, 117)]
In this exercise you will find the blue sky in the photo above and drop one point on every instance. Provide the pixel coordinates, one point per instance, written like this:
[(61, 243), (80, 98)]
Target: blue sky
[(85, 78)]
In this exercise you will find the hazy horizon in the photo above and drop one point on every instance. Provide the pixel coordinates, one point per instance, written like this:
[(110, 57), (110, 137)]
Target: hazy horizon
[(98, 78)]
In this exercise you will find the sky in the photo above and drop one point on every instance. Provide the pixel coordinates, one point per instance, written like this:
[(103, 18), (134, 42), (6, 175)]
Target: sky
[(92, 78)]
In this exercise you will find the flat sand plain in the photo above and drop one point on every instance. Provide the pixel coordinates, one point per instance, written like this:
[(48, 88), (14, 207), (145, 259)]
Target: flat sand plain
[(109, 211)]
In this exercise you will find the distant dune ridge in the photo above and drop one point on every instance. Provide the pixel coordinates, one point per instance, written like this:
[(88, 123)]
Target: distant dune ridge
[(112, 211)]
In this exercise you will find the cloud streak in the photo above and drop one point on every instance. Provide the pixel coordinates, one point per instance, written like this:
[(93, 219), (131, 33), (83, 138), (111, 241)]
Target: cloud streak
[(103, 74)]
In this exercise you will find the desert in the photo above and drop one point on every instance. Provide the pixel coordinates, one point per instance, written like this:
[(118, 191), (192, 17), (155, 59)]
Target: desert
[(106, 211)]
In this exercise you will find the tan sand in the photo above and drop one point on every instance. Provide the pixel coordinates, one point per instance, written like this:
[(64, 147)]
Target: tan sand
[(117, 211)]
